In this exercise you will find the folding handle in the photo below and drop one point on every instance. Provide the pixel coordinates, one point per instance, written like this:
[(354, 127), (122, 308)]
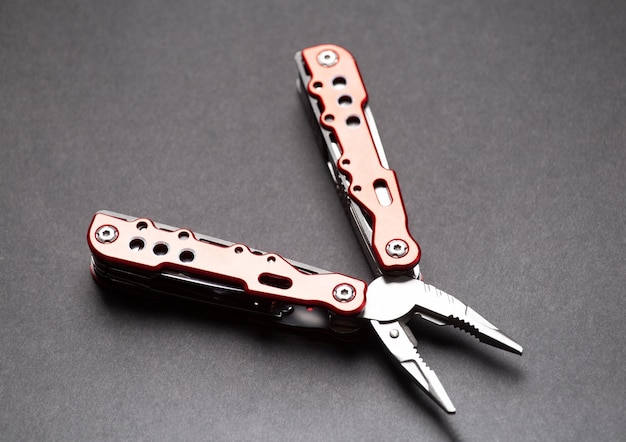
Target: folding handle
[(337, 85), (141, 245)]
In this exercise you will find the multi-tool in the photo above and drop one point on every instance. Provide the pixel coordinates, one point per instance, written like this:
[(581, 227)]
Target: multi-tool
[(143, 256)]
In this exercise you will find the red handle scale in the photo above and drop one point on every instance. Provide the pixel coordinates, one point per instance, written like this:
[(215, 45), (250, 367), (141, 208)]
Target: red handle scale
[(141, 245), (337, 85)]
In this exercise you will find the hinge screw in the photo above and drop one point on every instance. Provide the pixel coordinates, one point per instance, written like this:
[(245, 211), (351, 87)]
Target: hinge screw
[(106, 234), (397, 248), (344, 293), (327, 58)]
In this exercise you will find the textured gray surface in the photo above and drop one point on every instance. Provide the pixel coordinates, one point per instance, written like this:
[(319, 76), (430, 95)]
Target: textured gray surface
[(505, 122)]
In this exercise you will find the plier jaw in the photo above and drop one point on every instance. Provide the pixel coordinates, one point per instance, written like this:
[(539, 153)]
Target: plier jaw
[(393, 301)]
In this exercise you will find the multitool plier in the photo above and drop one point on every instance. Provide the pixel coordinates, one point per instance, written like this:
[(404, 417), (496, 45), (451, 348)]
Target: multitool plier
[(141, 255)]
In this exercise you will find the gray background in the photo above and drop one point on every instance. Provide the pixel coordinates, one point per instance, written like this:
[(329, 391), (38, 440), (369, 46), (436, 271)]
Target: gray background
[(505, 122)]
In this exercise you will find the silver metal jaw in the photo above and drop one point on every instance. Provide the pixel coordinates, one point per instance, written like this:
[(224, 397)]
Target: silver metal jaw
[(393, 301), (402, 345)]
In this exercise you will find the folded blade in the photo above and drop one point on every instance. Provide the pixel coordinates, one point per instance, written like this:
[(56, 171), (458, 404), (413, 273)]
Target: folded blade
[(402, 345), (443, 309)]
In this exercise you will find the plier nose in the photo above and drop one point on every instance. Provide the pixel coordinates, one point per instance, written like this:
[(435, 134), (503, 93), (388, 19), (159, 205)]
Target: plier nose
[(393, 301)]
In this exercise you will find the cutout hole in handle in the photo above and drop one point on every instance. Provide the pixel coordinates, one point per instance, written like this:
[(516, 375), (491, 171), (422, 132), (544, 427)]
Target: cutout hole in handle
[(382, 192), (280, 282)]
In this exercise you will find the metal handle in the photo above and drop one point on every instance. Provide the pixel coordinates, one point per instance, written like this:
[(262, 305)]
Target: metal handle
[(336, 84), (141, 245)]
